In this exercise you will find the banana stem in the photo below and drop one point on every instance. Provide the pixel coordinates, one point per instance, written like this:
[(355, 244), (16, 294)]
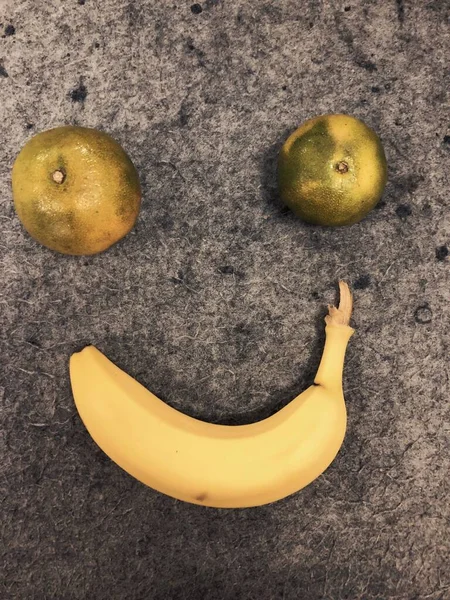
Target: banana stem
[(338, 333)]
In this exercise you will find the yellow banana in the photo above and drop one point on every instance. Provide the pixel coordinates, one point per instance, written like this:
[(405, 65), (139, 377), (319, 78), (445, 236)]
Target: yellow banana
[(217, 465)]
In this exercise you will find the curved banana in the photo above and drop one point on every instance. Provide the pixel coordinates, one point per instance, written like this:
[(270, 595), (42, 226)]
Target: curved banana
[(217, 465)]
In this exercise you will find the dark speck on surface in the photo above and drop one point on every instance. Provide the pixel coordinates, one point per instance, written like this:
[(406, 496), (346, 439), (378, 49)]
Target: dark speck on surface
[(178, 279), (29, 126), (403, 211), (446, 140), (3, 71), (347, 8), (33, 342), (362, 282), (196, 9), (79, 93), (284, 88), (183, 114), (82, 2), (226, 270), (10, 30), (423, 314), (368, 65), (409, 183), (400, 10), (375, 89), (441, 253)]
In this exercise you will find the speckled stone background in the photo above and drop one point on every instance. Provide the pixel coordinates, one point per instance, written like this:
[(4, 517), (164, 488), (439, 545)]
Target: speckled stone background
[(215, 300)]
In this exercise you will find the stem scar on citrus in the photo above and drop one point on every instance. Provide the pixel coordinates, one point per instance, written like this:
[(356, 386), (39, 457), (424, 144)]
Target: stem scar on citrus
[(332, 170), (75, 190)]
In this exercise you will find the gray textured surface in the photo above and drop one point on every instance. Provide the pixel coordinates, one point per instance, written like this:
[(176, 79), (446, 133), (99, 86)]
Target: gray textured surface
[(202, 103)]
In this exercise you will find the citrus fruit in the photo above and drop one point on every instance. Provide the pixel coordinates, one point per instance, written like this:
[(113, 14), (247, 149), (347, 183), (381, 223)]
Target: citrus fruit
[(75, 190), (332, 170)]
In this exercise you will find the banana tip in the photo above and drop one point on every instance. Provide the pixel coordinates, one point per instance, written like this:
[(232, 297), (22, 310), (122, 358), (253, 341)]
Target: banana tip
[(341, 315), (81, 350)]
